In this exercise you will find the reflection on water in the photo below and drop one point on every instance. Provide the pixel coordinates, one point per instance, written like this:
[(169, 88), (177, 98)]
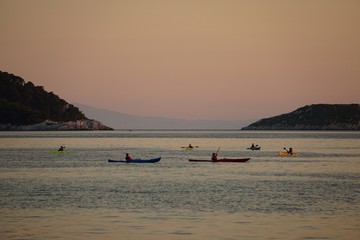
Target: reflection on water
[(79, 195)]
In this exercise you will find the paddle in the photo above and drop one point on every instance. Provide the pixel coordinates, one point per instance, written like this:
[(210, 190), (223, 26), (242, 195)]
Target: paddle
[(218, 151), (214, 155)]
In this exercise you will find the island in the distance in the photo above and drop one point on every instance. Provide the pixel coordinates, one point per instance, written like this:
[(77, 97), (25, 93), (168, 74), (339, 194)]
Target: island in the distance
[(313, 117), (26, 107)]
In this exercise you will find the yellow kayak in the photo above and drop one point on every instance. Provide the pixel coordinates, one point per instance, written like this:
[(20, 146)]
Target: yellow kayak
[(59, 152), (189, 148), (286, 154)]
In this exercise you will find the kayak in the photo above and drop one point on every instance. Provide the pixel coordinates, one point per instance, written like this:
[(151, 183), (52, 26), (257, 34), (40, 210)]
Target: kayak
[(153, 160), (254, 148), (59, 152), (284, 154), (189, 148), (222, 160)]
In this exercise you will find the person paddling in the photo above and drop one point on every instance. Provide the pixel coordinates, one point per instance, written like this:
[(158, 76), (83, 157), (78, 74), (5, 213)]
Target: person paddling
[(127, 157), (215, 155), (61, 148), (290, 151)]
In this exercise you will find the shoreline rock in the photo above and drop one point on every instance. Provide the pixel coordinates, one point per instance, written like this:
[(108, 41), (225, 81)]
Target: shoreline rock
[(86, 125)]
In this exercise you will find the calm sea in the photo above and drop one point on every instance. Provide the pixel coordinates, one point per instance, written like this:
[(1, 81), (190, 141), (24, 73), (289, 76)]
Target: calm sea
[(79, 195)]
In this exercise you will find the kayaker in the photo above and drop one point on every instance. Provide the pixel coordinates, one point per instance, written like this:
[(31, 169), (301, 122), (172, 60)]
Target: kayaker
[(252, 145), (61, 148), (127, 157), (290, 151), (190, 146), (214, 157)]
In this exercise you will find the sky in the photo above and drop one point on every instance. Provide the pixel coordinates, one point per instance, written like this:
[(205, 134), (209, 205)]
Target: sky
[(188, 59)]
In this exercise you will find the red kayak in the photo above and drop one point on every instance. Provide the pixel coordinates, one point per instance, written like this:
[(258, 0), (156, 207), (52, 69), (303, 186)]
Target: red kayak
[(222, 160)]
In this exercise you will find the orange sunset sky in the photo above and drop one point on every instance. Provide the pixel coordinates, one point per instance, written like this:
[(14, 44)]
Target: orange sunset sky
[(190, 59)]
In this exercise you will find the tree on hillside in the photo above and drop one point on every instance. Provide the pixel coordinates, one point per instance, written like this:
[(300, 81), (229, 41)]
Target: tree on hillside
[(23, 103)]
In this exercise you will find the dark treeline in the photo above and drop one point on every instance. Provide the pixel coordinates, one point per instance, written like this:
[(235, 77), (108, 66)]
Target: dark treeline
[(23, 103)]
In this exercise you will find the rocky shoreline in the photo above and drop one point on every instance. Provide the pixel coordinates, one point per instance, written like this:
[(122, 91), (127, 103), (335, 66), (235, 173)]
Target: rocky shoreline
[(47, 125)]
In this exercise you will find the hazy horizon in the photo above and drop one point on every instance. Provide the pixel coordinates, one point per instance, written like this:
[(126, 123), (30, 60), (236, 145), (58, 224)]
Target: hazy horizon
[(215, 60), (120, 120)]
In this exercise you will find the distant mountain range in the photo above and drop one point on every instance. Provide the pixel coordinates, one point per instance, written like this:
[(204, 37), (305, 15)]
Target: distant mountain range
[(118, 120), (313, 117)]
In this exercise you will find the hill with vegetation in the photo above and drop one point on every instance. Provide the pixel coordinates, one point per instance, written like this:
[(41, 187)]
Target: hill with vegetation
[(24, 106), (313, 117)]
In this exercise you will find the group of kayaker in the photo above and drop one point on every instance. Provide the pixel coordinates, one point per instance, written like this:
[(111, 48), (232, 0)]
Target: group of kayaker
[(213, 156), (257, 147)]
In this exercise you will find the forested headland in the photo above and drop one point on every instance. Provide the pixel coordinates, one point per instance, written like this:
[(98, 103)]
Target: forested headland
[(23, 104), (313, 117)]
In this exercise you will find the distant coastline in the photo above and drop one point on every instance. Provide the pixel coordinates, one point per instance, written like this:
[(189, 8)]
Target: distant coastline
[(26, 107), (79, 125), (317, 117)]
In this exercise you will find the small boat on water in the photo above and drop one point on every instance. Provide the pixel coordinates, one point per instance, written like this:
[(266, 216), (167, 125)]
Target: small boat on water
[(254, 148), (59, 152), (189, 148), (286, 154), (221, 160), (153, 160)]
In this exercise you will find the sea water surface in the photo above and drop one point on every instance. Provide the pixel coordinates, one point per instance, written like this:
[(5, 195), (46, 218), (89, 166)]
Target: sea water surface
[(79, 195)]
